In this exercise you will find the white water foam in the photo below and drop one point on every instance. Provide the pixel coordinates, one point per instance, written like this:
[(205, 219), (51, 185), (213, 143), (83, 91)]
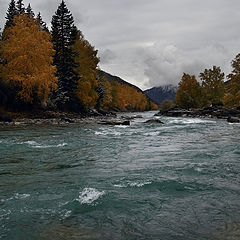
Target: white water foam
[(132, 184), (151, 134), (108, 132), (121, 126), (89, 195), (37, 145), (191, 121), (198, 169), (19, 196)]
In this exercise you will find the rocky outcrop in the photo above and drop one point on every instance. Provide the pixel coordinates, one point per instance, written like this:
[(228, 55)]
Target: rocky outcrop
[(233, 119), (209, 112), (113, 123)]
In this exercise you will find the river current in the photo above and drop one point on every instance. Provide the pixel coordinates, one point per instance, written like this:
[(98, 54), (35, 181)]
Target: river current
[(176, 181)]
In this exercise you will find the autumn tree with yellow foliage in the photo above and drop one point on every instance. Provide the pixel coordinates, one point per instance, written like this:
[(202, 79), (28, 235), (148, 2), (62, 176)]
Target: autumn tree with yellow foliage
[(213, 85), (232, 95), (87, 61), (189, 94), (27, 53)]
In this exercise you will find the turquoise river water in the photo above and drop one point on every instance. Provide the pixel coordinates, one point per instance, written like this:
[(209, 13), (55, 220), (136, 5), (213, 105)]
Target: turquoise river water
[(177, 181)]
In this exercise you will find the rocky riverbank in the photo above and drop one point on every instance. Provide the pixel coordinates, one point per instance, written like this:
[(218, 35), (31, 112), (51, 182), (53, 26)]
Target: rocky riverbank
[(52, 117), (231, 115)]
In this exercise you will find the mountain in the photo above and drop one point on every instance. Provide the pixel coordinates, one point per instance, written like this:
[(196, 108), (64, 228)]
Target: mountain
[(112, 78), (126, 96), (159, 94)]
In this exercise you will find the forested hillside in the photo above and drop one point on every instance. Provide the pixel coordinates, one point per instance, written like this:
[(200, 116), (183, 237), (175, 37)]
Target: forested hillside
[(56, 68)]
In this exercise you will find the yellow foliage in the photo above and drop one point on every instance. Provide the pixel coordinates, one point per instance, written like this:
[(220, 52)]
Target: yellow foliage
[(126, 97), (28, 54), (189, 93), (232, 96), (228, 100), (87, 69), (105, 93)]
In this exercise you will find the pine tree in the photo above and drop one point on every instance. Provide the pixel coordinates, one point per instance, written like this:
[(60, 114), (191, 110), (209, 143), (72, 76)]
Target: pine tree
[(41, 23), (63, 37), (29, 11), (20, 7), (11, 12)]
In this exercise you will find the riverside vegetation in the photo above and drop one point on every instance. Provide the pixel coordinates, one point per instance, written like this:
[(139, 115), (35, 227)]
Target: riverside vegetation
[(212, 98), (57, 69)]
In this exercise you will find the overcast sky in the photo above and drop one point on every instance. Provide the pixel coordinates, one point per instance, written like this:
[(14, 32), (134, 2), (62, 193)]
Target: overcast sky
[(152, 42)]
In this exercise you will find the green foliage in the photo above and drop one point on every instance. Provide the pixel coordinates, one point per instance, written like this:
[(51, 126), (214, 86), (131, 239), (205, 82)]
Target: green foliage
[(29, 11), (213, 85), (20, 7), (11, 13), (42, 24), (64, 35)]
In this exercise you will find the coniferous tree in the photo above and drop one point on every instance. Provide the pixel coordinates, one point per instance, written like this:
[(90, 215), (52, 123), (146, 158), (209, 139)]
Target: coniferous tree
[(29, 11), (20, 7), (42, 24), (11, 13), (64, 34)]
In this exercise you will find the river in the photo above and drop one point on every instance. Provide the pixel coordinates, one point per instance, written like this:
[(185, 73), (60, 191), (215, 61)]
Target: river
[(176, 181)]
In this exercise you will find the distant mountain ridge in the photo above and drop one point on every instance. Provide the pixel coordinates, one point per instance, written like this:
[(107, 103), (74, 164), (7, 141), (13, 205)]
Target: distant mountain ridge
[(159, 94), (128, 94), (112, 78)]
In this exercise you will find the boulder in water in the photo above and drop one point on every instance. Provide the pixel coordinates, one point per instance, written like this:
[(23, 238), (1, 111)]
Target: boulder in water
[(151, 121), (125, 123), (233, 120)]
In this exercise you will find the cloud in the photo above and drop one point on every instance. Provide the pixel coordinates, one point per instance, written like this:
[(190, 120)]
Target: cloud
[(106, 56), (166, 64), (151, 43)]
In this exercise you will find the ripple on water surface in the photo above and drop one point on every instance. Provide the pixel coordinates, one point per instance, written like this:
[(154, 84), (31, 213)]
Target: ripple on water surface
[(179, 180)]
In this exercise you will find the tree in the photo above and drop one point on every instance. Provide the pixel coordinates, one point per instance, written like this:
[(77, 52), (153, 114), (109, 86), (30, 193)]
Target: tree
[(20, 7), (63, 37), (28, 64), (213, 84), (103, 90), (167, 104), (189, 94), (232, 96), (11, 13), (29, 11), (42, 24), (87, 61)]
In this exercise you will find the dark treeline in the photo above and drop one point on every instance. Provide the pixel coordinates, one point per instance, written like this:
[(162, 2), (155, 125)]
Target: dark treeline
[(55, 68)]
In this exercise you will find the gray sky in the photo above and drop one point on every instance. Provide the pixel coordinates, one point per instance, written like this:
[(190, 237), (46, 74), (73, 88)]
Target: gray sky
[(152, 42)]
